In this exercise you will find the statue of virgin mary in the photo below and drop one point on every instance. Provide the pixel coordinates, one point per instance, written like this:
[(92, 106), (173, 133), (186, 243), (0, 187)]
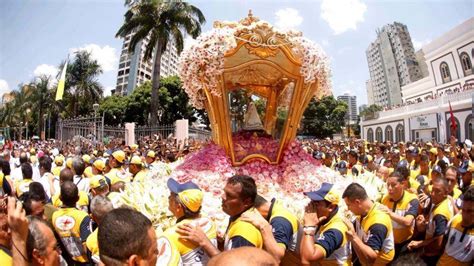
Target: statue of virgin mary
[(252, 119)]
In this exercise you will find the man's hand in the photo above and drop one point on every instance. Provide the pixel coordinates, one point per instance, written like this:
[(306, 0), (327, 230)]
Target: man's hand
[(192, 233), (255, 218), (17, 219), (350, 233), (414, 244), (311, 217)]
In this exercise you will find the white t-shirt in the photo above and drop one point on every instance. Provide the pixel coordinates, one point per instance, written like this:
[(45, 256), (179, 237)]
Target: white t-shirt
[(82, 183)]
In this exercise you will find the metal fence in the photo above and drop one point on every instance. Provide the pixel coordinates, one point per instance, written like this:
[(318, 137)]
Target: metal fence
[(162, 131), (94, 129), (91, 128)]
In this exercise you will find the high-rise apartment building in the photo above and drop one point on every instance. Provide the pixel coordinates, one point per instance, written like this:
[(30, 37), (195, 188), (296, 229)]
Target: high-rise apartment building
[(134, 70), (351, 102), (392, 64), (370, 92)]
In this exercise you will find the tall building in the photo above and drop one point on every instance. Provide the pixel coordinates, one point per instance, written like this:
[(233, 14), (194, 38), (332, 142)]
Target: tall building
[(429, 102), (370, 92), (392, 64), (351, 104), (134, 70)]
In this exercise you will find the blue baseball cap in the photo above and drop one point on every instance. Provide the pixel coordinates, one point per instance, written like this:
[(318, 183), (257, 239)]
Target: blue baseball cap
[(326, 192), (464, 166)]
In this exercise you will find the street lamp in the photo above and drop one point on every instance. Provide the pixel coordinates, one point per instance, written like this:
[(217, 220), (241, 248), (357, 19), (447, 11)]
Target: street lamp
[(21, 130), (44, 126), (95, 106)]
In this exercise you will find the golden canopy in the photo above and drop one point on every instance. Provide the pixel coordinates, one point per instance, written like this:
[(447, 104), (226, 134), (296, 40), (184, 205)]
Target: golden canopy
[(255, 83)]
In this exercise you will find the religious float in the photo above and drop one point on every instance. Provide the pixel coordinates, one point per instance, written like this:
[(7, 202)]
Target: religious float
[(255, 83)]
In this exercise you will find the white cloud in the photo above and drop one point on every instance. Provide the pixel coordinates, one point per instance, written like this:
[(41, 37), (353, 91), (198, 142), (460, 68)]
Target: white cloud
[(419, 44), (106, 56), (342, 15), (108, 90), (287, 19), (4, 88), (47, 70)]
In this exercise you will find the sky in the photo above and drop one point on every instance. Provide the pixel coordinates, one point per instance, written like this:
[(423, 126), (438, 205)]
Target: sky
[(36, 36)]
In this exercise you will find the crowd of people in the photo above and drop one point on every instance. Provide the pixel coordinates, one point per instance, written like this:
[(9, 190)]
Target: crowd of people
[(439, 94), (59, 208)]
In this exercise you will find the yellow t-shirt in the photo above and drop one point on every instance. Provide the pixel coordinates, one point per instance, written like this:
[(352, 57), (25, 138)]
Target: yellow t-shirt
[(5, 257), (180, 252), (330, 233), (374, 217), (240, 233), (459, 249), (82, 203), (407, 205), (93, 244)]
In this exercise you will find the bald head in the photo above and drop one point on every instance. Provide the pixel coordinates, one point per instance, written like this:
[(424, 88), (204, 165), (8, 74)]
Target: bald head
[(383, 172), (249, 256)]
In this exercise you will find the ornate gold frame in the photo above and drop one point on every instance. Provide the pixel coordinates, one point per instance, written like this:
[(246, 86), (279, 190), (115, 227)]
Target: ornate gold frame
[(257, 51)]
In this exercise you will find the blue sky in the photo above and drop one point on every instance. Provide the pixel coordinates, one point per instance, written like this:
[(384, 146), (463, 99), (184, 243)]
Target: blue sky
[(35, 36)]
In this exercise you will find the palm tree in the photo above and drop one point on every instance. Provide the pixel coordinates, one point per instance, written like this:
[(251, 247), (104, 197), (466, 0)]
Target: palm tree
[(16, 112), (42, 96), (160, 21), (82, 88)]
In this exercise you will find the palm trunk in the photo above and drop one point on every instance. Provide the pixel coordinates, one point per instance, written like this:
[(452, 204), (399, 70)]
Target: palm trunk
[(155, 86)]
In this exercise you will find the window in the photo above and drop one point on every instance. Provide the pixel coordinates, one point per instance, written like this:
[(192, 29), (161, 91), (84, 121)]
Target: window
[(444, 69), (370, 135), (469, 125), (466, 64), (378, 134), (399, 133), (388, 133)]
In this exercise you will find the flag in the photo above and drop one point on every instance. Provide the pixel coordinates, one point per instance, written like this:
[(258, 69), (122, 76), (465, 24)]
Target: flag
[(453, 121), (62, 81)]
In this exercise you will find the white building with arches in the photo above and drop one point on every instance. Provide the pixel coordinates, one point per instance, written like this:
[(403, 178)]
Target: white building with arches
[(425, 112)]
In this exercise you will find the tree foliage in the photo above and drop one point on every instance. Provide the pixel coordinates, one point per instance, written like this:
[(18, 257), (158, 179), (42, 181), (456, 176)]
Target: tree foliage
[(323, 118), (159, 22), (135, 107), (371, 110)]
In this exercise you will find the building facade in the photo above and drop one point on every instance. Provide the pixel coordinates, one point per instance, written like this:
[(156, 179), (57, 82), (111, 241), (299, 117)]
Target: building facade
[(135, 70), (392, 64), (351, 102), (425, 113)]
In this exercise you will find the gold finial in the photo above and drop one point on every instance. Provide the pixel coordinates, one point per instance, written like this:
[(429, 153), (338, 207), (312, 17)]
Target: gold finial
[(249, 19)]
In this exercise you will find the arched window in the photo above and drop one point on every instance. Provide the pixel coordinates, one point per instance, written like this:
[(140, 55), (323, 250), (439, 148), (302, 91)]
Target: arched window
[(378, 134), (469, 125), (466, 64), (370, 135), (389, 134), (458, 127), (445, 74), (399, 133)]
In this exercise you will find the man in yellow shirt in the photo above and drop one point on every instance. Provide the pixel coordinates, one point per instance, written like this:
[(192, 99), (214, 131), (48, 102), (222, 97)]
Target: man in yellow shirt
[(434, 224), (72, 225), (185, 203), (372, 238), (100, 206), (324, 240), (137, 169), (459, 238), (402, 207), (279, 227)]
